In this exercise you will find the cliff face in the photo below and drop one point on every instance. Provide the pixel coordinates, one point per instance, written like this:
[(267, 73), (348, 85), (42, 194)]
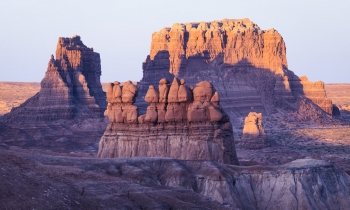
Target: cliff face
[(315, 91), (71, 86), (236, 40), (246, 65), (180, 122)]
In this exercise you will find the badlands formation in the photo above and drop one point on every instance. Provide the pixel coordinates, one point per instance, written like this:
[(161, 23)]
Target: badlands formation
[(71, 86), (181, 122), (254, 136), (166, 142), (246, 65)]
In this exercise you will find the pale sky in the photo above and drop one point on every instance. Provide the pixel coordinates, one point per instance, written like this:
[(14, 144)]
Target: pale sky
[(316, 32)]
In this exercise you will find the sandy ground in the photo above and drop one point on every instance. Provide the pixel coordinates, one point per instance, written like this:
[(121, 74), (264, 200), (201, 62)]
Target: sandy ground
[(12, 94)]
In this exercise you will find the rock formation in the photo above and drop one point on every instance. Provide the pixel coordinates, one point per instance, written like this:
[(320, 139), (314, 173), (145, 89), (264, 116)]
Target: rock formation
[(246, 65), (254, 136), (164, 183), (71, 86), (180, 122), (315, 91)]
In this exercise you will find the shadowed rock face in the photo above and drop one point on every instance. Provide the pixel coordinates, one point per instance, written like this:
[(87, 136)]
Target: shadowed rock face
[(246, 65), (71, 86), (180, 122), (30, 180)]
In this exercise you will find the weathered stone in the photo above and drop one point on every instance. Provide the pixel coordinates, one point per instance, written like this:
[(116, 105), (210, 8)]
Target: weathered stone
[(161, 110), (197, 112), (215, 115), (71, 86), (173, 91), (254, 136), (151, 114), (109, 94), (117, 93), (315, 91), (203, 91), (163, 90), (152, 95), (130, 113), (141, 119), (118, 113), (128, 92), (246, 65), (188, 130), (184, 94)]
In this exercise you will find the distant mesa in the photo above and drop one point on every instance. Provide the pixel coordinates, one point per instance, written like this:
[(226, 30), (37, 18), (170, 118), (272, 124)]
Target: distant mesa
[(180, 122), (71, 86), (246, 65)]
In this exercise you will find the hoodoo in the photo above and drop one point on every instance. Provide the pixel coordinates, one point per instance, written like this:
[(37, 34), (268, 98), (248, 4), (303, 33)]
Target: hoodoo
[(254, 136), (71, 86), (181, 122), (246, 65)]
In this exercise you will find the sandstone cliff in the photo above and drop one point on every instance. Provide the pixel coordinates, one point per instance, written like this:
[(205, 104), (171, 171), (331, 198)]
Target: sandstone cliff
[(71, 86), (315, 91), (181, 122), (247, 66)]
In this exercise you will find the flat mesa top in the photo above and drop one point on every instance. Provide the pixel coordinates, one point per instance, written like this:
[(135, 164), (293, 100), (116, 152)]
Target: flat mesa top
[(225, 24)]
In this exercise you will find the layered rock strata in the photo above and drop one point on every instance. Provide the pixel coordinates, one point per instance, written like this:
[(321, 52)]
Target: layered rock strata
[(71, 86), (254, 136), (164, 183), (181, 122), (315, 91), (246, 65)]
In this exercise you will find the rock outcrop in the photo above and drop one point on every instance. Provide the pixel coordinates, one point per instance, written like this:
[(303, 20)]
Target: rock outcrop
[(315, 91), (164, 183), (181, 122), (254, 136), (246, 65), (71, 86)]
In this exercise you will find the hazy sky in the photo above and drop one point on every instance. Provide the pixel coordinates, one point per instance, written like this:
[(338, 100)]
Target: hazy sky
[(316, 32)]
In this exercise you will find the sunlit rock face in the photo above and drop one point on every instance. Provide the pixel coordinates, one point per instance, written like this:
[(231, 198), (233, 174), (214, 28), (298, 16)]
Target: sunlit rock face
[(180, 122), (71, 86), (316, 92), (246, 65), (254, 136)]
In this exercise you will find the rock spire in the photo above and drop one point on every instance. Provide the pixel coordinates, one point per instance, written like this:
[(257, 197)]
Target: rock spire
[(254, 136), (71, 86)]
